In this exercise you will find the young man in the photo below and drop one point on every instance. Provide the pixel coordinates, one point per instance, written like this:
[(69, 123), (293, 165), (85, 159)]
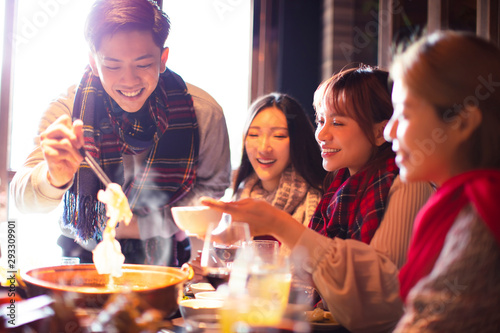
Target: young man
[(164, 141)]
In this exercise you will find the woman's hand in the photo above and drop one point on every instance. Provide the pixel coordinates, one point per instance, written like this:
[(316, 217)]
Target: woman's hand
[(258, 212), (60, 143), (262, 217)]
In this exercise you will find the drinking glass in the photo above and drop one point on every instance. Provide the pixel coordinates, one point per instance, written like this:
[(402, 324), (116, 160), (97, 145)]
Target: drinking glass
[(268, 251), (258, 288), (204, 323), (219, 249)]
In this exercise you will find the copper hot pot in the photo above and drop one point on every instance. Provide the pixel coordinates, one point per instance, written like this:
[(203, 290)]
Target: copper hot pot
[(161, 287)]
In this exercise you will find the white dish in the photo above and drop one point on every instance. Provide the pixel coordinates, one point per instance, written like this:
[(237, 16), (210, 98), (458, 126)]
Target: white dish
[(209, 295), (195, 307), (194, 220), (200, 287)]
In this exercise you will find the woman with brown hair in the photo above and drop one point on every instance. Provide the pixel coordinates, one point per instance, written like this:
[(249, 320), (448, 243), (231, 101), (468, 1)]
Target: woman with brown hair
[(359, 234), (445, 129)]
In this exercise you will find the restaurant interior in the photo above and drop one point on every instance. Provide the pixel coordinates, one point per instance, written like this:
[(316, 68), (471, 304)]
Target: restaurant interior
[(251, 47)]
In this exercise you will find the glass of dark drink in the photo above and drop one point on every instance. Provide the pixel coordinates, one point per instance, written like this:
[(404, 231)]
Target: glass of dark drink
[(219, 249)]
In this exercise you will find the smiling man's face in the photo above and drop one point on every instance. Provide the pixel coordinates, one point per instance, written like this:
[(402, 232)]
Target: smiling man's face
[(129, 64)]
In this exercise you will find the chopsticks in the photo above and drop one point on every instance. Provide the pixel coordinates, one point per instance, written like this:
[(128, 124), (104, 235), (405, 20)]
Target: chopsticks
[(95, 167)]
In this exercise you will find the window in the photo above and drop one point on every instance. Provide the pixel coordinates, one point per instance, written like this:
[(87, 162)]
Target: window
[(209, 47), (50, 54), (210, 44)]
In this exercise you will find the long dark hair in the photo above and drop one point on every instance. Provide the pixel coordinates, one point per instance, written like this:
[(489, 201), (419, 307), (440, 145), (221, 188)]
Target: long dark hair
[(362, 93), (305, 154)]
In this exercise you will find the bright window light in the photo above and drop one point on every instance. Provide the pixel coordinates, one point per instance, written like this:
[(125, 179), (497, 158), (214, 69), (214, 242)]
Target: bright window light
[(209, 47)]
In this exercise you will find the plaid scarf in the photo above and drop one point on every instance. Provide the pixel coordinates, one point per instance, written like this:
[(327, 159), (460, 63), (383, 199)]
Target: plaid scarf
[(353, 206), (290, 193), (165, 129), (481, 188), (291, 190)]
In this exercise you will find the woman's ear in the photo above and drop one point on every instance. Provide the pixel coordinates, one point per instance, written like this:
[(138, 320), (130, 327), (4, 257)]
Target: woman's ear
[(92, 64), (469, 120), (378, 132)]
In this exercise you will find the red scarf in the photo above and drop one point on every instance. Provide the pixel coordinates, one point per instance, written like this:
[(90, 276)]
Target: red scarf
[(353, 206), (479, 187)]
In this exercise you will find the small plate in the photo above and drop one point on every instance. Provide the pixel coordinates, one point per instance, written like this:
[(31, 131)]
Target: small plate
[(325, 326)]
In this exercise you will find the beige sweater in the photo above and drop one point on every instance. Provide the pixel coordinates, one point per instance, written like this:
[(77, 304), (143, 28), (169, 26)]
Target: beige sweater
[(462, 292), (359, 282)]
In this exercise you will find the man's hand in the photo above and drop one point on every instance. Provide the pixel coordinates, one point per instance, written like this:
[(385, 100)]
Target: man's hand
[(60, 143)]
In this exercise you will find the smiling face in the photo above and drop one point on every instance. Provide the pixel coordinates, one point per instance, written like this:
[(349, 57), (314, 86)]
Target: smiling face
[(426, 147), (129, 64), (343, 143), (267, 145)]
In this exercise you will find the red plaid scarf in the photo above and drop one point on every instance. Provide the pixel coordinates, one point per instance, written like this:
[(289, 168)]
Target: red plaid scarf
[(166, 127), (479, 187), (353, 206)]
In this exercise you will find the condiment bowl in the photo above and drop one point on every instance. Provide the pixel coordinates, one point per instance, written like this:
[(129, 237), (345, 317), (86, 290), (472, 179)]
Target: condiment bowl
[(209, 295), (201, 287), (195, 307)]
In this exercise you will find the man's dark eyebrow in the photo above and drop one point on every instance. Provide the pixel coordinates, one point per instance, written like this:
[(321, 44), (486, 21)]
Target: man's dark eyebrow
[(146, 56), (111, 59)]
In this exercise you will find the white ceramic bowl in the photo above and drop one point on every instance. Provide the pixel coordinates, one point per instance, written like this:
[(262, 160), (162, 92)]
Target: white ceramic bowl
[(194, 220), (209, 295), (195, 307), (200, 287)]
